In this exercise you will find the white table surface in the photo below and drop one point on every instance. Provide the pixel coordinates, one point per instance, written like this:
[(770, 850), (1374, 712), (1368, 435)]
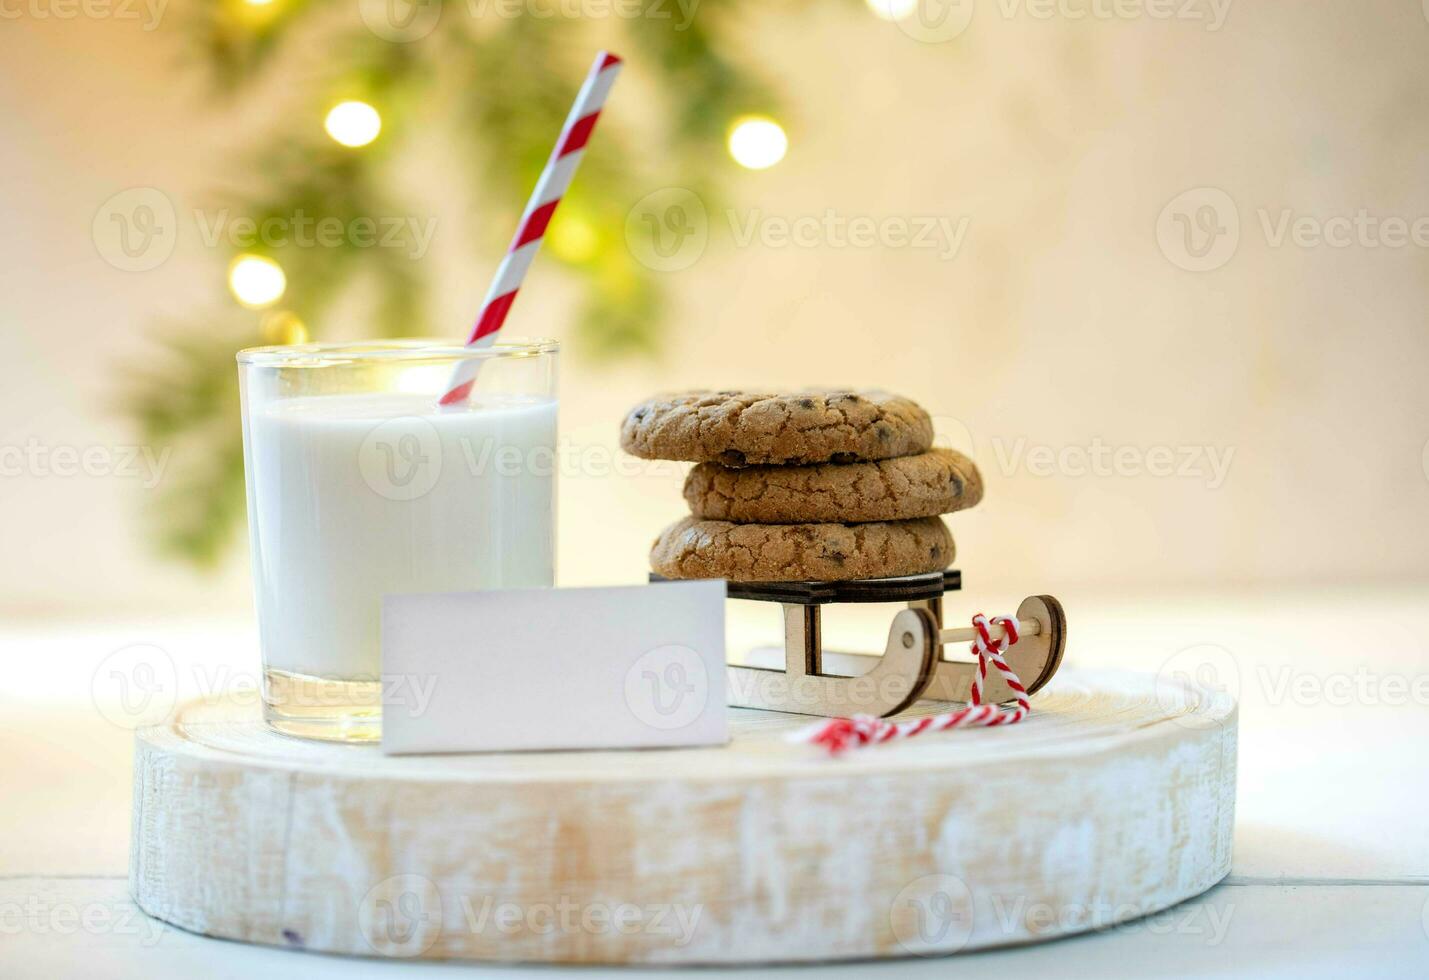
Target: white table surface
[(1331, 870)]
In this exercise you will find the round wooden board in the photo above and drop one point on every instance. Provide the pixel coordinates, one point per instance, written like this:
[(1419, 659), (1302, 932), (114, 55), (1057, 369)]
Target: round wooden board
[(1108, 803)]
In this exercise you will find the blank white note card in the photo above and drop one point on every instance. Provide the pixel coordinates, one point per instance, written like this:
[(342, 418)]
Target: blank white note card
[(515, 669)]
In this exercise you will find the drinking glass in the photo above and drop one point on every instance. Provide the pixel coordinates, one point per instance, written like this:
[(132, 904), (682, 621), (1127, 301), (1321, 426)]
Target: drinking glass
[(359, 486)]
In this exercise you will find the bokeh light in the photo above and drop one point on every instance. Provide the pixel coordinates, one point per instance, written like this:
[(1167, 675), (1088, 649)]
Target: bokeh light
[(757, 142), (572, 238), (353, 123), (256, 281), (284, 327), (892, 9), (256, 14)]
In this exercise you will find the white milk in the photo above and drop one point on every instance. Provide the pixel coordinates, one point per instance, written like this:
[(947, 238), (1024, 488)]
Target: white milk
[(352, 497)]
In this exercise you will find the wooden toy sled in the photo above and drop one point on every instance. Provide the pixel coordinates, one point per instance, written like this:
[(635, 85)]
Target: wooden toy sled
[(912, 666)]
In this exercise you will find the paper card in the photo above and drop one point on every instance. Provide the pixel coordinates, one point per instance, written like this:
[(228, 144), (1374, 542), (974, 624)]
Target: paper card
[(513, 669)]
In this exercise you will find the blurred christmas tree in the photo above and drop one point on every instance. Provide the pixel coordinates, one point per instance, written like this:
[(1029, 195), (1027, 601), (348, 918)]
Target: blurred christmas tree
[(494, 78)]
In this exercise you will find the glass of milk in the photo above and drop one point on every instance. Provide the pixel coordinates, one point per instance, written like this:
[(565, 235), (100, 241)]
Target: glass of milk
[(360, 486)]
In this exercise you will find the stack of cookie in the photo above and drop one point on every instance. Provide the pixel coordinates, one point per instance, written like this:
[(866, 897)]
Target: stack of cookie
[(812, 485)]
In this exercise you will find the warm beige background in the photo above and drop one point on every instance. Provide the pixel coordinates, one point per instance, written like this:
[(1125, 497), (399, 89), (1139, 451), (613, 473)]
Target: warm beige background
[(1060, 322)]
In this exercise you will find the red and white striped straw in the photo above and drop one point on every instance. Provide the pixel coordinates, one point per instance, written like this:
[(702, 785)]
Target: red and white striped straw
[(550, 187)]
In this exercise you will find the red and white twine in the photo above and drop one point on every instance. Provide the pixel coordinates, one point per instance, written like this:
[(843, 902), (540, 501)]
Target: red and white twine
[(839, 734), (555, 179)]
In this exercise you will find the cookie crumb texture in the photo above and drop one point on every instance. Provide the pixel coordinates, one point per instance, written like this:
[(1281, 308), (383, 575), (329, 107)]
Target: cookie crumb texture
[(692, 548), (936, 482), (742, 428)]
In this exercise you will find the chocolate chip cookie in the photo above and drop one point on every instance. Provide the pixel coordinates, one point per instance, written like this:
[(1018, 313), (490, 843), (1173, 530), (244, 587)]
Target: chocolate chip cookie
[(738, 428), (692, 548), (939, 481)]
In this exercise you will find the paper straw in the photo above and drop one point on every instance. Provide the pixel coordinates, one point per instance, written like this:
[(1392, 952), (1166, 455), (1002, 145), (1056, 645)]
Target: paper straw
[(554, 180)]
